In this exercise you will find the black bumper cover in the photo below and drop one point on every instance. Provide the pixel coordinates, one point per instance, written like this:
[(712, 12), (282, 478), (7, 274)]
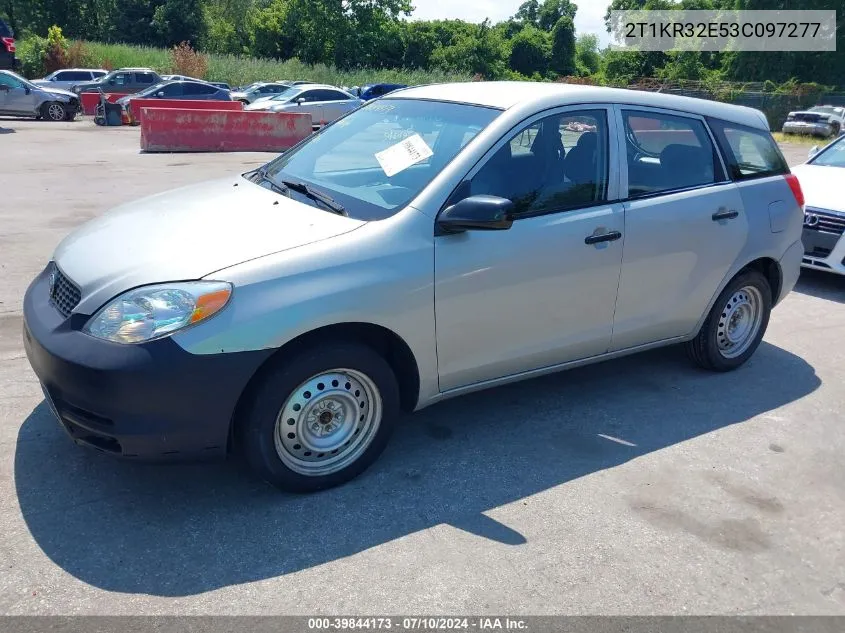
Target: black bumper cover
[(148, 401)]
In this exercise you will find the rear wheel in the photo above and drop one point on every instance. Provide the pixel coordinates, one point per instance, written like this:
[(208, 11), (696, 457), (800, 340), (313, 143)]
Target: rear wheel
[(736, 324), (321, 417), (53, 111)]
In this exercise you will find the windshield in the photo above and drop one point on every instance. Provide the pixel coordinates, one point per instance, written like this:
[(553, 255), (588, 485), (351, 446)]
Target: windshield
[(831, 156), (376, 159), (286, 94)]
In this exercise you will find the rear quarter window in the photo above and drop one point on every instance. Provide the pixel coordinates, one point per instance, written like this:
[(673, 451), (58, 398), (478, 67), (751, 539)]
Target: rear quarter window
[(749, 153)]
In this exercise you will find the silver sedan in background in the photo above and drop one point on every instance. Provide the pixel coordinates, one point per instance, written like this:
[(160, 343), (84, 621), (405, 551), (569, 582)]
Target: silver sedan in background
[(323, 102)]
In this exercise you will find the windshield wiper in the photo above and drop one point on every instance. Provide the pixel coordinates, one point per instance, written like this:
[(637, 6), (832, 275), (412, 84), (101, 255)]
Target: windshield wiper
[(259, 176), (315, 194)]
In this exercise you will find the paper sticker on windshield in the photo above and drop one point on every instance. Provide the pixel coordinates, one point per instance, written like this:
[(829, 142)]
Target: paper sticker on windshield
[(405, 153)]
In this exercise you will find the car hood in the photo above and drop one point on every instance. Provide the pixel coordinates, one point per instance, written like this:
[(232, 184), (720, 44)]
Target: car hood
[(262, 104), (821, 186), (57, 91), (188, 233)]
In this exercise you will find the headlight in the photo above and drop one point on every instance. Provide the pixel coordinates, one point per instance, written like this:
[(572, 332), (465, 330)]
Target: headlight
[(151, 312)]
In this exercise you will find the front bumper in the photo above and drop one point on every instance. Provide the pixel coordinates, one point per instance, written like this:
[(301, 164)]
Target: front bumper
[(148, 401), (824, 245), (812, 129)]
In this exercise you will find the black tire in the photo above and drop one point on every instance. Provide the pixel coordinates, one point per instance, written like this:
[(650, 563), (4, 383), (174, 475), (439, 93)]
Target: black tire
[(704, 349), (53, 111), (70, 115), (256, 430)]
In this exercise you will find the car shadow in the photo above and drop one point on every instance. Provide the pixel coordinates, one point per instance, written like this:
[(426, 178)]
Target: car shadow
[(821, 284), (7, 130), (176, 530)]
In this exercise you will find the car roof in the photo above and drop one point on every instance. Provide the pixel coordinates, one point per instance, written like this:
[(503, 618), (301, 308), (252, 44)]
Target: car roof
[(504, 95), (88, 70), (146, 70)]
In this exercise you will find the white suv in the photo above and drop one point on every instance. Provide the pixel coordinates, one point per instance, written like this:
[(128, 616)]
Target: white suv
[(67, 78)]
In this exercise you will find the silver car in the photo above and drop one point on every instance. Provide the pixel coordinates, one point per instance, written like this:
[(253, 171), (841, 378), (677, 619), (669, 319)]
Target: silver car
[(67, 78), (324, 103), (437, 241), (19, 97)]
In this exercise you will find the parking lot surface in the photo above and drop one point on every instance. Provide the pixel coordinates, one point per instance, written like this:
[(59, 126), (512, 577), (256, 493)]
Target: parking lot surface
[(637, 486)]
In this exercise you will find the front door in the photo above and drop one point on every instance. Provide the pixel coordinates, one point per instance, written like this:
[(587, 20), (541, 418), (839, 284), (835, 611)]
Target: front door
[(684, 226), (19, 98), (542, 292)]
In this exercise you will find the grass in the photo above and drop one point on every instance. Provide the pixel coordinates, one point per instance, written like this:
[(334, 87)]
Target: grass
[(238, 71), (801, 139)]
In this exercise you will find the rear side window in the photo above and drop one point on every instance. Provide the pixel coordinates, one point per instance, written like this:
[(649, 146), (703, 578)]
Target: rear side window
[(199, 89), (750, 153), (145, 78), (667, 152), (73, 75)]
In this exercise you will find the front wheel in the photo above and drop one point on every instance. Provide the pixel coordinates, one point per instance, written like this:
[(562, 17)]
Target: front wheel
[(320, 418), (736, 324), (53, 111)]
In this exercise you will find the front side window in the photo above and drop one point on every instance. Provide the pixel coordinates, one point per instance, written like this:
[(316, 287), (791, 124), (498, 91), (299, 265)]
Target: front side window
[(379, 157), (667, 152), (172, 90), (121, 79), (750, 153), (11, 82), (556, 163)]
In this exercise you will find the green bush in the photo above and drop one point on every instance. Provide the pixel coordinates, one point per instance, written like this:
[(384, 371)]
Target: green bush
[(31, 53)]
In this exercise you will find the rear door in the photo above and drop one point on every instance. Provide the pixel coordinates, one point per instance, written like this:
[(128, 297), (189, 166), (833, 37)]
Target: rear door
[(142, 80), (685, 225), (335, 104)]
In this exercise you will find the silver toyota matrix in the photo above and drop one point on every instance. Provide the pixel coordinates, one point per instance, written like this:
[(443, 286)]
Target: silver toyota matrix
[(439, 240)]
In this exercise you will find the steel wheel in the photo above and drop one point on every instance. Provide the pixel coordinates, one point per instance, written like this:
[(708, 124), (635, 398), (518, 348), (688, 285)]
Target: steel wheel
[(56, 112), (328, 422), (739, 322)]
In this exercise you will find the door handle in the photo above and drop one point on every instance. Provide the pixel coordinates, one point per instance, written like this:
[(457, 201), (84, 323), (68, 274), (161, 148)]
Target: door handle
[(610, 236), (724, 214)]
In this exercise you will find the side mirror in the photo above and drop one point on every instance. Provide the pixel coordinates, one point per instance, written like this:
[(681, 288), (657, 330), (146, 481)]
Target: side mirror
[(300, 101), (160, 94), (477, 213), (813, 151), (111, 82)]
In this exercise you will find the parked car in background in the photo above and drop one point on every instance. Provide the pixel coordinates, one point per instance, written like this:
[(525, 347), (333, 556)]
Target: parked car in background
[(259, 91), (180, 89), (179, 77), (67, 78), (374, 91), (129, 80), (823, 121), (293, 316), (21, 97), (821, 180), (221, 84), (8, 61), (324, 103)]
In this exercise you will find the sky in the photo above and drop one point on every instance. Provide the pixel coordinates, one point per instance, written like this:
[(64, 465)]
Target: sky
[(588, 19)]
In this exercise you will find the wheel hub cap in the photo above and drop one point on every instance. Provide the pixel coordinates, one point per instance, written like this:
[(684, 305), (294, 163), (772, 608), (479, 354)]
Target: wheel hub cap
[(328, 422), (739, 322)]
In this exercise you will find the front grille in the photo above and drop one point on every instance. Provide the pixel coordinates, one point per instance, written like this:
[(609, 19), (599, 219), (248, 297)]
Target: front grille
[(821, 220), (63, 293)]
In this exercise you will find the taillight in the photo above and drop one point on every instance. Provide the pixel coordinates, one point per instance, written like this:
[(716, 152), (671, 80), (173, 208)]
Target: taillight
[(792, 181), (9, 43)]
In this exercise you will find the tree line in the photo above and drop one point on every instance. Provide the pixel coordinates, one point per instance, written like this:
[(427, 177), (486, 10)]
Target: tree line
[(539, 41)]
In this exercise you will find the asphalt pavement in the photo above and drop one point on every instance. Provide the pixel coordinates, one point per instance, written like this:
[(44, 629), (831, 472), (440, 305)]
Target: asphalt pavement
[(637, 486)]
